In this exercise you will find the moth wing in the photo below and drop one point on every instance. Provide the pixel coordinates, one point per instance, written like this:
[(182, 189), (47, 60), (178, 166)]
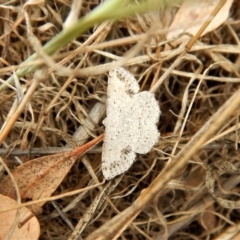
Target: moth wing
[(144, 134), (116, 161), (117, 156), (121, 86), (120, 75)]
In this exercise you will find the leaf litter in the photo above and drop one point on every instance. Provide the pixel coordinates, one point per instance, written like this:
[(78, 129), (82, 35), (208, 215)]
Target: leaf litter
[(148, 57)]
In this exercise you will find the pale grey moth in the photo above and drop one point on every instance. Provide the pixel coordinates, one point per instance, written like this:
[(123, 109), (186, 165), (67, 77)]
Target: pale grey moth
[(130, 123)]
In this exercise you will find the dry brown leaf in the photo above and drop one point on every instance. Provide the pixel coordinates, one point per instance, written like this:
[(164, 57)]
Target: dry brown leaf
[(40, 177), (30, 230), (192, 14), (195, 177), (207, 219)]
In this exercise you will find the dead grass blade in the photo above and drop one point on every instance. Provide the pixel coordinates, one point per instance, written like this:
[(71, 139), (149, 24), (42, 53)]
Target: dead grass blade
[(95, 205), (68, 106), (216, 170), (191, 148)]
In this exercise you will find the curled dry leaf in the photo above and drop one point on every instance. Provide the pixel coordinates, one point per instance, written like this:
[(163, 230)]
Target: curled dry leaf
[(192, 14), (40, 177), (30, 230)]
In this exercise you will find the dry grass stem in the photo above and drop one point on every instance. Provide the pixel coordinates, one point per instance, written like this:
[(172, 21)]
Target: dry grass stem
[(187, 186)]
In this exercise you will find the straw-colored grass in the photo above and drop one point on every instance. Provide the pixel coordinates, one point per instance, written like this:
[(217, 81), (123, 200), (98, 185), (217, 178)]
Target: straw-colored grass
[(60, 103)]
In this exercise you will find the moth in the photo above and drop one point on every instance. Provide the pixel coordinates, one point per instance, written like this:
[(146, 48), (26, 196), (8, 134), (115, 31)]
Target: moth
[(130, 125)]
